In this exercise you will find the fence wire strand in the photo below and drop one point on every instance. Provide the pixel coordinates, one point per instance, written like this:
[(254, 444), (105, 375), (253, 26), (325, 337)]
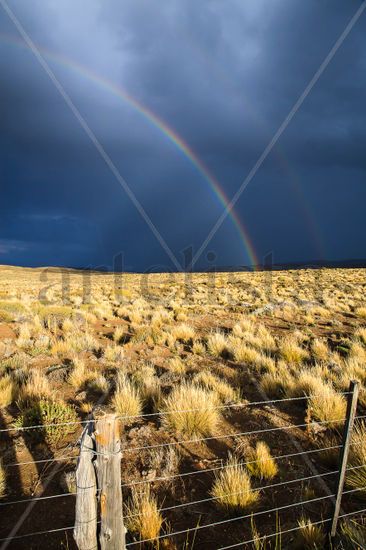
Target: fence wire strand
[(227, 466), (264, 537), (231, 520), (227, 436), (254, 490), (218, 468), (162, 413)]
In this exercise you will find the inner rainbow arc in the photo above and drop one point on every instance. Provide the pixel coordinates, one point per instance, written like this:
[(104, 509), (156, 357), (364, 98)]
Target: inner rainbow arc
[(158, 123)]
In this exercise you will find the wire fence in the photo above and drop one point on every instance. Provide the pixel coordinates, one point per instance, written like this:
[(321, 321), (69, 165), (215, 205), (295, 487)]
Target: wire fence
[(212, 472)]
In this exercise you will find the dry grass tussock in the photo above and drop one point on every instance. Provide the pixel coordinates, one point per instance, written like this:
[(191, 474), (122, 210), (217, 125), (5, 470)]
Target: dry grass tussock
[(142, 514), (263, 464), (232, 488), (276, 382), (2, 481), (217, 344), (35, 388), (191, 410), (222, 389), (183, 332), (327, 405), (127, 400), (79, 374), (148, 384), (357, 458), (291, 352), (312, 537), (176, 365), (8, 390), (319, 350), (243, 353), (306, 383), (361, 334)]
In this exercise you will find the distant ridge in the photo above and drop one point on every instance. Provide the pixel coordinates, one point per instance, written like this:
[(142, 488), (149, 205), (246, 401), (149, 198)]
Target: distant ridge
[(312, 264)]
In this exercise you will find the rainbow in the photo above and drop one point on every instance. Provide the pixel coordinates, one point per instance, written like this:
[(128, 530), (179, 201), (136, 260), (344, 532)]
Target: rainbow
[(158, 123), (282, 160)]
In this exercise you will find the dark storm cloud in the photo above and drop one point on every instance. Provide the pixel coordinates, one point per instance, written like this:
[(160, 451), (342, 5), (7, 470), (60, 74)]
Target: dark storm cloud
[(223, 75)]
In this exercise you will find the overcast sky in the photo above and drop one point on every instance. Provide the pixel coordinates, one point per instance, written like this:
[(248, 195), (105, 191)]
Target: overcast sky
[(222, 74)]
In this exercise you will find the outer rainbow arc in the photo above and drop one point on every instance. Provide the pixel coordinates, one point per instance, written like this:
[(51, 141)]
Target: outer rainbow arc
[(157, 122)]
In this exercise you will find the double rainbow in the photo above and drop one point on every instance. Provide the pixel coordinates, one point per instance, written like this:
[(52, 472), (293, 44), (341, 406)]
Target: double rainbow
[(158, 123)]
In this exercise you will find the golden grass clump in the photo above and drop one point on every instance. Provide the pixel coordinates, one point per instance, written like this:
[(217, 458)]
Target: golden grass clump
[(357, 458), (98, 383), (245, 325), (304, 384), (127, 400), (82, 341), (148, 384), (191, 410), (275, 383), (79, 374), (176, 365), (357, 351), (262, 464), (113, 353), (319, 350), (198, 348), (326, 405), (267, 342), (119, 334), (291, 352), (142, 514), (312, 536), (37, 387), (232, 488), (183, 332), (243, 353), (69, 325), (2, 481), (222, 389), (361, 334), (354, 533), (7, 390), (217, 344), (361, 312)]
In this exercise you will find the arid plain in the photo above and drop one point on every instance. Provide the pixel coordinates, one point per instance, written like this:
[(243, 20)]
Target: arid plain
[(190, 363)]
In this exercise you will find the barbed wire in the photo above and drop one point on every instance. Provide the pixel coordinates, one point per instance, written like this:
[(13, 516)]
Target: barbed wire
[(353, 513), (254, 490), (231, 406), (162, 413), (230, 520), (226, 436), (37, 533), (184, 474), (224, 466), (264, 537), (293, 529), (199, 527), (268, 511), (43, 461)]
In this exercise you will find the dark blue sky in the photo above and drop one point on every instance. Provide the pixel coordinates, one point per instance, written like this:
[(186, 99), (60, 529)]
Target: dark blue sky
[(223, 75)]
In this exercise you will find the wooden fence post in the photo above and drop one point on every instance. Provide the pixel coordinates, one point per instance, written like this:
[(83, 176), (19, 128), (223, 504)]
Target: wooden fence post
[(108, 451), (85, 530), (347, 434)]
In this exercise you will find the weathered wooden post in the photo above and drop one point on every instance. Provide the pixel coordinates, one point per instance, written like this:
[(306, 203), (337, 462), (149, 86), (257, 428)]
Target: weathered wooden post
[(85, 530), (347, 434), (108, 451)]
